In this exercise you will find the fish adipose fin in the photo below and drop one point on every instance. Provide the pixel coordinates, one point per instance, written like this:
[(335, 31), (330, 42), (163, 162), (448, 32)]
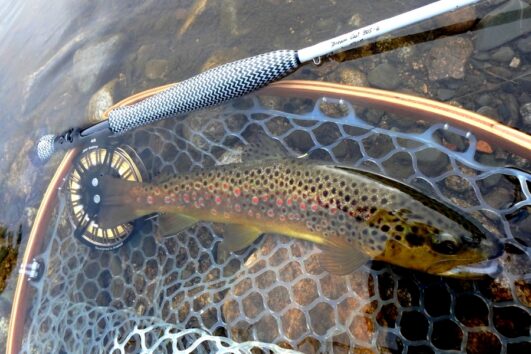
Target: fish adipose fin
[(171, 224), (116, 208), (237, 237), (341, 258)]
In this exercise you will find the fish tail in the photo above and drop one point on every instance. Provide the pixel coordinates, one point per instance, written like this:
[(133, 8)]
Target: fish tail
[(117, 206)]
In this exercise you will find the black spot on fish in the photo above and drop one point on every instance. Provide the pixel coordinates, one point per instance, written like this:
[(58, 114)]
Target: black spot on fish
[(385, 228), (414, 240)]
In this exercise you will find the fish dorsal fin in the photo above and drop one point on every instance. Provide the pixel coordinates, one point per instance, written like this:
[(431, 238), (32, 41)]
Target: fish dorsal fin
[(170, 224), (262, 148), (237, 237), (339, 257)]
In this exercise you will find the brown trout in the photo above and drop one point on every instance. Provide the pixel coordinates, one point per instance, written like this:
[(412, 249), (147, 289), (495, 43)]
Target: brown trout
[(352, 215)]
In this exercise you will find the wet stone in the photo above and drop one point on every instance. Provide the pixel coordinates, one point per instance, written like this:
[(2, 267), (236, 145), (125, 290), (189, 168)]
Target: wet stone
[(504, 23), (353, 77), (156, 69), (488, 112), (525, 111), (524, 44), (384, 76), (503, 54), (457, 21), (94, 60), (446, 64)]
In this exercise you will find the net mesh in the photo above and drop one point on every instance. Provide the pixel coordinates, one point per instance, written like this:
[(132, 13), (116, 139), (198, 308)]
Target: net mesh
[(173, 294)]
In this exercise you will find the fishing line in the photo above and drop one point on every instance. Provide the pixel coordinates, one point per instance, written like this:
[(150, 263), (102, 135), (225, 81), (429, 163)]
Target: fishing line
[(229, 81)]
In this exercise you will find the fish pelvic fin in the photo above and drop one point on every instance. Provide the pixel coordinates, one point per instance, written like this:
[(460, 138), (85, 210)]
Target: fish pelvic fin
[(117, 206), (237, 237), (171, 224), (340, 257)]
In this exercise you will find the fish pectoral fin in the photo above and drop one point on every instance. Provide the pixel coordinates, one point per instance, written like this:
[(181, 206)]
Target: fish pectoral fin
[(340, 258), (170, 224), (237, 237)]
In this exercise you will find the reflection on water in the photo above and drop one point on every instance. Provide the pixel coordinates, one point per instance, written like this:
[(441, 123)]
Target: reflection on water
[(62, 61)]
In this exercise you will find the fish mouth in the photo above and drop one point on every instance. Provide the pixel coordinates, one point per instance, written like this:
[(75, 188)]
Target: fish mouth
[(488, 268)]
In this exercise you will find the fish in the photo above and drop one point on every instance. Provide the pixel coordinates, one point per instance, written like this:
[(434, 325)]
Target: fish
[(353, 215)]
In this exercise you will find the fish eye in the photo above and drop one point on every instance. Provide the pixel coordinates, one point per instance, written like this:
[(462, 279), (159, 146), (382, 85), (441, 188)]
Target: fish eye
[(446, 244)]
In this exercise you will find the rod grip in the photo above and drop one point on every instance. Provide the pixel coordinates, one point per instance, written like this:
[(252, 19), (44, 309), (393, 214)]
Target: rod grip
[(206, 89)]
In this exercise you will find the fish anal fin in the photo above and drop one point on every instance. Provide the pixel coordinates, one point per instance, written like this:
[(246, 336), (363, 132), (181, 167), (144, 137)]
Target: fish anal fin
[(237, 237), (339, 257), (170, 224), (263, 148)]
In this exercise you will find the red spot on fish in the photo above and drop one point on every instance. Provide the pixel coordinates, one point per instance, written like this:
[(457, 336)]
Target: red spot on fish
[(186, 198), (250, 213), (237, 207), (194, 195), (333, 210), (255, 200), (217, 200), (149, 199), (167, 199), (225, 186), (282, 218), (280, 202), (211, 187), (201, 201), (314, 207), (265, 197), (197, 205), (237, 192), (289, 202), (271, 213), (302, 206)]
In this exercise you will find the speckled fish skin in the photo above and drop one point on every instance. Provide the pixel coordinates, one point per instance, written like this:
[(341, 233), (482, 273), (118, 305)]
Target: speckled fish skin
[(340, 209)]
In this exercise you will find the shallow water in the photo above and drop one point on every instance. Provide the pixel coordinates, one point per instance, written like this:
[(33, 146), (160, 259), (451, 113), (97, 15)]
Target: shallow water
[(46, 82)]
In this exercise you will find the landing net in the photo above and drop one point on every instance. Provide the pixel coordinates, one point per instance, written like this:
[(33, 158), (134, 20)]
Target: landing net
[(173, 294)]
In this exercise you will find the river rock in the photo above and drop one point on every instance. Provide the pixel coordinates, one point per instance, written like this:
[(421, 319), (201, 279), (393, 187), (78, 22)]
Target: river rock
[(156, 69), (449, 64), (100, 102), (95, 60), (525, 111), (506, 22), (352, 76), (524, 44), (488, 111), (503, 54), (384, 76), (457, 21)]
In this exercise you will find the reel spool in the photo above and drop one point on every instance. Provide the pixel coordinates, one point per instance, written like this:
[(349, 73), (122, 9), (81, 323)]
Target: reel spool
[(84, 192)]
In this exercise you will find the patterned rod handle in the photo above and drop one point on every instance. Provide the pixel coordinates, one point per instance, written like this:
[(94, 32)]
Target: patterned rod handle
[(206, 89)]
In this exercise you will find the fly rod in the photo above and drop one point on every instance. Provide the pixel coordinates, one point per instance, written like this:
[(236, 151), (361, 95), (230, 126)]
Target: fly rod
[(229, 81)]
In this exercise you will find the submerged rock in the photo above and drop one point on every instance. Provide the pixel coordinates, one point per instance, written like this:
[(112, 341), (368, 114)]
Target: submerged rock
[(525, 111), (503, 24), (449, 64), (352, 76), (94, 60), (384, 76), (503, 54), (156, 69)]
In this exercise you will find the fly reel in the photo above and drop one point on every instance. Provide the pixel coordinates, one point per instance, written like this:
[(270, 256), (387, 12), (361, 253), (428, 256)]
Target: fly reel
[(84, 192)]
